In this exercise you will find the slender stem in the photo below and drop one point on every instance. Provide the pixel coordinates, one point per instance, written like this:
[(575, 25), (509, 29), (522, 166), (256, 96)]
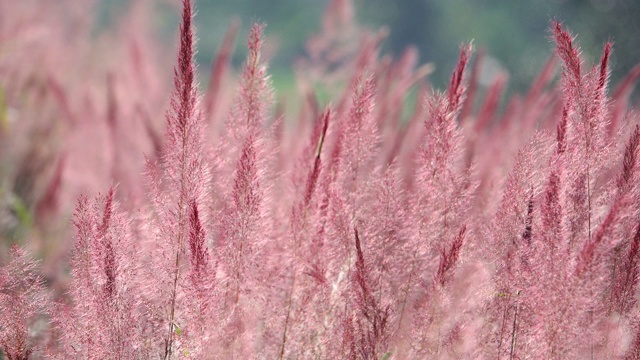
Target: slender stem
[(588, 153), (514, 333), (589, 195), (286, 321), (502, 326), (406, 293), (169, 342)]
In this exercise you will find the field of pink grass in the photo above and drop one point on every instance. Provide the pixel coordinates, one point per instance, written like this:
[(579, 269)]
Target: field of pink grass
[(394, 221)]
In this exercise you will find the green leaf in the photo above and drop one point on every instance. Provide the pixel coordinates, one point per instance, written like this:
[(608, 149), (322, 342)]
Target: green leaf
[(22, 212), (386, 356), (4, 119)]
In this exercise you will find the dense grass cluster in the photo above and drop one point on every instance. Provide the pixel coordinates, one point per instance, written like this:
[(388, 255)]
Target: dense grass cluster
[(370, 227)]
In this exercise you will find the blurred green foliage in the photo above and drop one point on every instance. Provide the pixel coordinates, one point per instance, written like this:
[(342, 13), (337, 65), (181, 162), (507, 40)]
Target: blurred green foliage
[(4, 118), (513, 32)]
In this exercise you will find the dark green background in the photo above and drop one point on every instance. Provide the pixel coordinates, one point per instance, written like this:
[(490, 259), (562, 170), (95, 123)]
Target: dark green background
[(514, 32)]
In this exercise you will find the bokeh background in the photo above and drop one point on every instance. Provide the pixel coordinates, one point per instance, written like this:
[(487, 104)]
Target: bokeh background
[(71, 71), (513, 33)]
